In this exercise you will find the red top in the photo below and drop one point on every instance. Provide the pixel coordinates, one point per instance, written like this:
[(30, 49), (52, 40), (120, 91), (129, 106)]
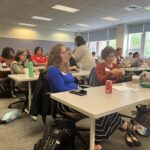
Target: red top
[(103, 73), (39, 59), (1, 59)]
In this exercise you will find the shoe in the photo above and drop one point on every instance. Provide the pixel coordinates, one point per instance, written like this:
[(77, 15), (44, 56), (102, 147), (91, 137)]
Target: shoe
[(129, 140), (125, 129), (135, 140)]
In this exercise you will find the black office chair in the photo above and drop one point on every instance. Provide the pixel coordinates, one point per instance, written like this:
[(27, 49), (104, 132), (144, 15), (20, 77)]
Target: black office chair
[(18, 92), (55, 113)]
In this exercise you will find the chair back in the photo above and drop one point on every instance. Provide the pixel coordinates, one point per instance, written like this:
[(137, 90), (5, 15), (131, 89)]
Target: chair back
[(92, 78)]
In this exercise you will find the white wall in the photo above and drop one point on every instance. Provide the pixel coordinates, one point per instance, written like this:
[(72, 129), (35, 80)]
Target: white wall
[(35, 33)]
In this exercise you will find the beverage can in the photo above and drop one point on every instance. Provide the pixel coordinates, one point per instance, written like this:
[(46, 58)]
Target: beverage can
[(108, 86)]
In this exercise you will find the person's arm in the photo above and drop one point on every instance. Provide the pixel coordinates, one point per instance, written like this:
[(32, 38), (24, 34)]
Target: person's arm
[(56, 81), (101, 74), (17, 69)]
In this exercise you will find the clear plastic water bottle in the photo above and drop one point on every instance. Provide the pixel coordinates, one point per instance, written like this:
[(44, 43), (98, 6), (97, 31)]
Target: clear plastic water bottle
[(31, 70)]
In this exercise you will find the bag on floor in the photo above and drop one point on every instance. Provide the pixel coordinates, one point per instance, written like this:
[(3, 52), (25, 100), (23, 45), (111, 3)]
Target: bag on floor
[(143, 120), (60, 136), (5, 88), (10, 116)]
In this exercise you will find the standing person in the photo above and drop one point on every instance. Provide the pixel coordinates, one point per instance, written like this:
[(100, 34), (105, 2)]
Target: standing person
[(82, 54), (38, 58), (119, 55), (60, 79)]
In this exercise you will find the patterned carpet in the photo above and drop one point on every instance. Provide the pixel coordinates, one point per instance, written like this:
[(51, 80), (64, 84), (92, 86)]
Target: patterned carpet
[(22, 133)]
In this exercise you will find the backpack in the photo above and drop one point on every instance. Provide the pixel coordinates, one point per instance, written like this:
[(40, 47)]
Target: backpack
[(5, 88), (143, 120), (60, 136)]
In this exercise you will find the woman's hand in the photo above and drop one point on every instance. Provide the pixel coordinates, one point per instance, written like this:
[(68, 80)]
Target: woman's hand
[(74, 68), (117, 73)]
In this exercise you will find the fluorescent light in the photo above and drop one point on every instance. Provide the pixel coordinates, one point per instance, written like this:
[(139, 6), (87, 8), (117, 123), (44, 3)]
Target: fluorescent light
[(147, 8), (63, 29), (65, 8), (26, 24), (110, 18), (83, 25), (41, 18)]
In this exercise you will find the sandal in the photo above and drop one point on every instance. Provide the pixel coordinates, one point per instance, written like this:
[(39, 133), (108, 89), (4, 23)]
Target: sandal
[(129, 140), (135, 139)]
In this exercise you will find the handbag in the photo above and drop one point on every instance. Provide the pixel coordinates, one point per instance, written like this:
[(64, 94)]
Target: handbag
[(143, 119)]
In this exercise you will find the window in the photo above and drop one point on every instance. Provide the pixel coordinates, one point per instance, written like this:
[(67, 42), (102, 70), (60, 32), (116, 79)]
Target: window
[(93, 46), (134, 42), (147, 45), (101, 46), (112, 43)]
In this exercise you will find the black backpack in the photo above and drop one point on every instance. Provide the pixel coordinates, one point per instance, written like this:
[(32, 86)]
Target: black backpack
[(143, 120), (5, 88), (60, 136)]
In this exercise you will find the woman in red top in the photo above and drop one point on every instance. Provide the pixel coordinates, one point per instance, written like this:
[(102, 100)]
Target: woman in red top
[(108, 70), (38, 58)]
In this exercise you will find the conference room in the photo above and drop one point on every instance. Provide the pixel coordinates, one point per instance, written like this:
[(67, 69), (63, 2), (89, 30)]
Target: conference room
[(87, 58)]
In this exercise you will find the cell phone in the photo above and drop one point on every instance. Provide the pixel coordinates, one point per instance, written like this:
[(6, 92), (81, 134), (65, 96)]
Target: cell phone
[(79, 92)]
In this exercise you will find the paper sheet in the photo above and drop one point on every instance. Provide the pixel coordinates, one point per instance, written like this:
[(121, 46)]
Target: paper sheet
[(124, 88)]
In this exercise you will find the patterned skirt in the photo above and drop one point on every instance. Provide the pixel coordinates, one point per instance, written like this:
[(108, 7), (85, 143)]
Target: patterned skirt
[(105, 126)]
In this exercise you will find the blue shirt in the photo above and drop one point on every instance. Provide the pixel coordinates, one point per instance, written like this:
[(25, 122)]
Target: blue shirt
[(59, 82)]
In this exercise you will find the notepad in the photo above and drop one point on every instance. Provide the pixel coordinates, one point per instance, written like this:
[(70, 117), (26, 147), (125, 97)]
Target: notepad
[(123, 88)]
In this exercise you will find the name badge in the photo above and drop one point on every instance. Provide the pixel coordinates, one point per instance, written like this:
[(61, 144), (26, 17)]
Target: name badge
[(107, 69)]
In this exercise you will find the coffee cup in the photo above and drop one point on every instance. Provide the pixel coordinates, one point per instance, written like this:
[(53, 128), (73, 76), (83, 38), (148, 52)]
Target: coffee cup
[(135, 79)]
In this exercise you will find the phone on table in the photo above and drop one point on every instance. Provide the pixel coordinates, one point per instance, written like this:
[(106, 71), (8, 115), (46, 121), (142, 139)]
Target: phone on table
[(79, 92)]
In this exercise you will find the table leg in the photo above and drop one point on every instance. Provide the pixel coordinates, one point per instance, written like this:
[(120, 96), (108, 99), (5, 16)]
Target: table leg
[(92, 133), (29, 98)]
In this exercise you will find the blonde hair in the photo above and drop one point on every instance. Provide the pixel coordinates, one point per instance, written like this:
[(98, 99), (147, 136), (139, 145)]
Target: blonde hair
[(54, 58)]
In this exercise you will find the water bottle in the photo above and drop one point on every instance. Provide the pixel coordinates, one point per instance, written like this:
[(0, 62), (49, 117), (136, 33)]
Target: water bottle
[(31, 72)]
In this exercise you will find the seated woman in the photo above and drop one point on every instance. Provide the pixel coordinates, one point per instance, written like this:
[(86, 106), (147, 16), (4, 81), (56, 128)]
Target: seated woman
[(17, 67), (7, 56), (109, 71), (72, 62), (38, 58), (60, 80), (138, 61)]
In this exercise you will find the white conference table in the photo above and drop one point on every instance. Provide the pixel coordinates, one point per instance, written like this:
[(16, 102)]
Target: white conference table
[(97, 104), (135, 69), (5, 69), (24, 78)]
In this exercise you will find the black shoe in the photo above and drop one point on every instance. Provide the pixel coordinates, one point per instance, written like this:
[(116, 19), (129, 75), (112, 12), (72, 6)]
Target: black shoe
[(129, 140), (135, 139)]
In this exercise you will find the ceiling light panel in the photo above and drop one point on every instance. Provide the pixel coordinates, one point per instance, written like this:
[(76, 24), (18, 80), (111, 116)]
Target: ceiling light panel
[(41, 18), (110, 18), (147, 8), (82, 25), (27, 24), (65, 8)]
